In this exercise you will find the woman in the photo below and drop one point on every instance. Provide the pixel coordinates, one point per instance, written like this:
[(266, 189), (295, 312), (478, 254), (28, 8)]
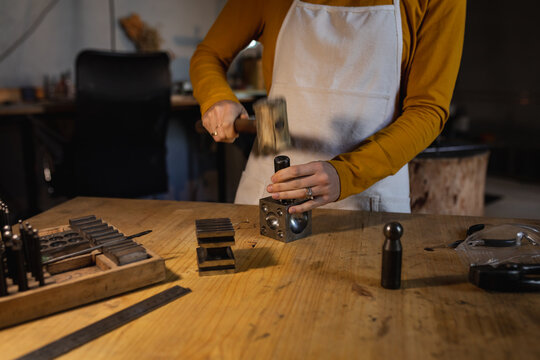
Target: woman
[(369, 80)]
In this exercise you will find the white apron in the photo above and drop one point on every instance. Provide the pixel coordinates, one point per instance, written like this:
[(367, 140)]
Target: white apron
[(339, 70)]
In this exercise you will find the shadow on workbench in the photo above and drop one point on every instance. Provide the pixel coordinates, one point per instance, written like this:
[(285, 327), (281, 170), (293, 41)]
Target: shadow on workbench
[(254, 258), (332, 223), (170, 276), (442, 280)]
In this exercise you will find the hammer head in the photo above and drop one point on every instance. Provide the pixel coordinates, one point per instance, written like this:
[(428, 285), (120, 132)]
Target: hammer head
[(272, 125)]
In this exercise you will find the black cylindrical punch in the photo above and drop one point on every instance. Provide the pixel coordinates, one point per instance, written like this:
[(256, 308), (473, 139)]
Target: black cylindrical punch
[(391, 256), (281, 162), (3, 282), (18, 253), (37, 266), (9, 255), (274, 218)]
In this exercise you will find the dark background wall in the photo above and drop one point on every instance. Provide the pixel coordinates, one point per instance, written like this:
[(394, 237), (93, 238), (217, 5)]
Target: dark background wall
[(497, 93)]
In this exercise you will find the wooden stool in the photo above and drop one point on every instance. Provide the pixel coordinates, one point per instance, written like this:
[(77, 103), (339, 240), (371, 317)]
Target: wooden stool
[(449, 183)]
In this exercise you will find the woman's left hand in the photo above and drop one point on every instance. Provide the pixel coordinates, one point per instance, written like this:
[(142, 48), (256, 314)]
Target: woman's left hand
[(294, 182)]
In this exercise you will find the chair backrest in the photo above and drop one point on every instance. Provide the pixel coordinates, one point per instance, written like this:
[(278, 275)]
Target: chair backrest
[(123, 105)]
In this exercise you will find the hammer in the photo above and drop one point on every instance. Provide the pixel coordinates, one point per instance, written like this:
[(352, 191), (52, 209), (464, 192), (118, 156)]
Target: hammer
[(270, 124)]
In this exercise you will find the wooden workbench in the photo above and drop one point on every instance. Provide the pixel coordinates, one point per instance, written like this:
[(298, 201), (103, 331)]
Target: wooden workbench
[(317, 297)]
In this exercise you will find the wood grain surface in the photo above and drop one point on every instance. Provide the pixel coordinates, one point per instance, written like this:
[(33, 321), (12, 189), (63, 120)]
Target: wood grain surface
[(315, 298)]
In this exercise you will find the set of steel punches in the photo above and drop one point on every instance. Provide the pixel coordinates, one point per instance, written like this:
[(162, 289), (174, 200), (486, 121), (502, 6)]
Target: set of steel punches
[(24, 255), (20, 256)]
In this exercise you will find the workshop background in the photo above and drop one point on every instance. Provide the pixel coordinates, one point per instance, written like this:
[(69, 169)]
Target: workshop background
[(495, 106)]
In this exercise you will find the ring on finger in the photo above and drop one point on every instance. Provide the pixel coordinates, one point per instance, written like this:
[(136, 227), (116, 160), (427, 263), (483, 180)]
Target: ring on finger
[(309, 193)]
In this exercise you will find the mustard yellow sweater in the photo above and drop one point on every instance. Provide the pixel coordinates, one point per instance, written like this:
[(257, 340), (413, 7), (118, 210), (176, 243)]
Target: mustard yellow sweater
[(432, 42)]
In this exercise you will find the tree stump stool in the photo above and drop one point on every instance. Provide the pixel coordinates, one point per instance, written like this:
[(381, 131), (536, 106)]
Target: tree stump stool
[(450, 184)]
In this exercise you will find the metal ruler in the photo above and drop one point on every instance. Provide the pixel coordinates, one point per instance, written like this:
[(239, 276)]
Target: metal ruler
[(95, 330)]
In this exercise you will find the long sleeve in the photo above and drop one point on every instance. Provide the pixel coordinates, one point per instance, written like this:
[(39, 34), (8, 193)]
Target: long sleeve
[(238, 23), (428, 80), (433, 33)]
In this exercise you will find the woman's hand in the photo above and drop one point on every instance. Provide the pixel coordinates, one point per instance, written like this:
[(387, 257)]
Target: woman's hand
[(219, 120), (294, 182)]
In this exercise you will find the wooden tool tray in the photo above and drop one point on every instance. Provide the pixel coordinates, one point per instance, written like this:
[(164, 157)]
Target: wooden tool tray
[(77, 281)]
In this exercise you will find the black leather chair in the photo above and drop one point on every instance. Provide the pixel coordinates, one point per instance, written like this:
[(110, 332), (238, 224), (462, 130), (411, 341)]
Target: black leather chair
[(123, 105)]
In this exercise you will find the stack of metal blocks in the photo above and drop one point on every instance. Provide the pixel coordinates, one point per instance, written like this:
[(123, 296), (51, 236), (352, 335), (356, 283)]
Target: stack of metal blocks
[(116, 246), (214, 254)]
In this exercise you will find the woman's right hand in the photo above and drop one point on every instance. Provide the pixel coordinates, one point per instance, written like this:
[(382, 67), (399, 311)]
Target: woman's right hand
[(219, 120)]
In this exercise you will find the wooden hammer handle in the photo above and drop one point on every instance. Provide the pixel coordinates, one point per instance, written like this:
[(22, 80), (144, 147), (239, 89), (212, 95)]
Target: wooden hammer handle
[(240, 126), (245, 125)]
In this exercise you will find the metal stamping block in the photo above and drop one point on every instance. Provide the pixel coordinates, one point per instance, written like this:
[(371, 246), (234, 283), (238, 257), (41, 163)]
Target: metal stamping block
[(97, 228), (214, 233), (126, 255), (94, 225), (217, 271), (215, 261), (80, 226), (219, 227), (216, 242), (215, 238), (121, 246), (276, 222), (215, 257), (108, 238), (110, 234), (99, 233), (78, 221)]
